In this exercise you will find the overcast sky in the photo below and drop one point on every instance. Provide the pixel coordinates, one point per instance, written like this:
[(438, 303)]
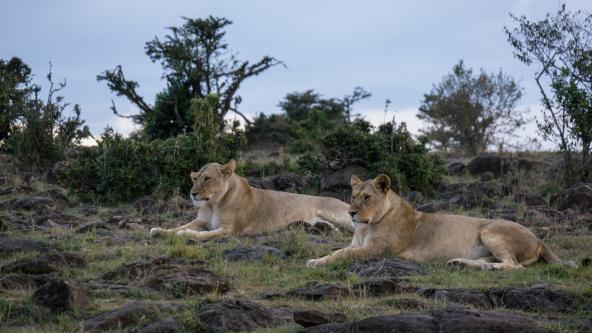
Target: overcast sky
[(394, 49)]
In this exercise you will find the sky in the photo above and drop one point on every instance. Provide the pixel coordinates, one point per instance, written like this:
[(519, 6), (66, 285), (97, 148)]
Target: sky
[(394, 49)]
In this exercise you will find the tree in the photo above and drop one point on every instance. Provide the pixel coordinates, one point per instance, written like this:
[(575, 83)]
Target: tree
[(471, 110), (197, 63), (560, 46), (358, 95), (15, 86), (298, 106), (35, 129)]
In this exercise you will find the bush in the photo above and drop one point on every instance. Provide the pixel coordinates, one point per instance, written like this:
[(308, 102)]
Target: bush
[(120, 169), (389, 149)]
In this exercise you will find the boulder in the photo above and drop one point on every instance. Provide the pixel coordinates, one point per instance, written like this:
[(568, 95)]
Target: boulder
[(251, 253), (287, 182), (315, 291), (487, 163), (119, 318), (475, 298), (308, 318), (387, 267), (168, 325), (241, 316), (10, 245), (28, 203), (473, 199), (378, 287), (28, 266), (440, 321), (531, 299), (339, 180), (23, 281), (487, 176), (579, 196), (456, 169), (59, 296), (530, 200)]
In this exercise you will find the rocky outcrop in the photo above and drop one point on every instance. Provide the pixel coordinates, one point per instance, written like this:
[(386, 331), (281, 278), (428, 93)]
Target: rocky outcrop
[(386, 267), (251, 253)]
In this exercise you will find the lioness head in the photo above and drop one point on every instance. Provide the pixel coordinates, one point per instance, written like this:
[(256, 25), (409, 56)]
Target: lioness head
[(369, 200), (210, 182)]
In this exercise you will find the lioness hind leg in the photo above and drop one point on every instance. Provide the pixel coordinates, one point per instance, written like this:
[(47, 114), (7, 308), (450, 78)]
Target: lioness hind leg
[(482, 263), (505, 245)]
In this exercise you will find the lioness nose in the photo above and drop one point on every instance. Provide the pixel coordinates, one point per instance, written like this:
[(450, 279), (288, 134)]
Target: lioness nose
[(352, 213)]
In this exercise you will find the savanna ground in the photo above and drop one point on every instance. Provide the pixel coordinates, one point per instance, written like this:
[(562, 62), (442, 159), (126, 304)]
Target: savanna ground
[(118, 235)]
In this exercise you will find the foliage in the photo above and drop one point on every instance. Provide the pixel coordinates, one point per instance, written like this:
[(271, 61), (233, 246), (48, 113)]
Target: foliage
[(560, 46), (307, 117), (35, 130), (471, 111), (120, 169), (390, 149), (197, 63)]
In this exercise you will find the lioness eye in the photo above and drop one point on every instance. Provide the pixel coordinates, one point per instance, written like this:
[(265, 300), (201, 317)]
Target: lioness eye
[(366, 197), (206, 179)]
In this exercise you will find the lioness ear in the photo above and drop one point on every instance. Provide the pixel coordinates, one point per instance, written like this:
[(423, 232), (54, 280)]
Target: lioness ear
[(382, 182), (355, 181), (229, 167)]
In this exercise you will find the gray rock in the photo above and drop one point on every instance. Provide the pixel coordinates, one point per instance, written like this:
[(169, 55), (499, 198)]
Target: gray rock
[(315, 291), (530, 200), (378, 287), (341, 179), (119, 318), (28, 203), (168, 325), (475, 298), (241, 316), (308, 318), (531, 299), (456, 169), (484, 163), (487, 176), (251, 253), (579, 196), (55, 295), (23, 281), (440, 321), (387, 267), (10, 245)]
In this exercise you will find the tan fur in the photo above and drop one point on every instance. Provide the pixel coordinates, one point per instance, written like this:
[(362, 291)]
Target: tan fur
[(387, 224), (228, 205)]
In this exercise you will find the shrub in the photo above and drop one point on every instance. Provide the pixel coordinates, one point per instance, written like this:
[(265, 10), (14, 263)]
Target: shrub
[(389, 149), (120, 169)]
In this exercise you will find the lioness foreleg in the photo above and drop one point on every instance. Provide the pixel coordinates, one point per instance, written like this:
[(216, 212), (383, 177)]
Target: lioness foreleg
[(195, 225), (348, 252), (202, 235)]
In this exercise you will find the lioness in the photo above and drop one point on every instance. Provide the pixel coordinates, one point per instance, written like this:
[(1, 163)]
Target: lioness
[(228, 205), (385, 223)]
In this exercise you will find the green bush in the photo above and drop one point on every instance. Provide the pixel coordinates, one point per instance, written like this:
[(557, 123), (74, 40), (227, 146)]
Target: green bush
[(389, 149), (120, 169)]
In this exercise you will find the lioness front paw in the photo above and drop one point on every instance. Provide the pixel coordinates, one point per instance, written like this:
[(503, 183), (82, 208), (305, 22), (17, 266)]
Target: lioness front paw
[(312, 263), (154, 232), (183, 233), (456, 263)]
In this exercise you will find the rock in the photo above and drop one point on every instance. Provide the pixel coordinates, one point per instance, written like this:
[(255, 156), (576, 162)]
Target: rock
[(415, 197), (308, 318), (377, 287), (433, 207), (44, 264), (531, 299), (28, 266), (257, 182), (456, 169), (491, 189), (92, 226), (388, 267), (315, 291), (530, 200), (319, 228), (58, 296), (440, 321), (88, 209), (475, 298), (287, 182), (487, 176), (23, 281), (448, 191), (58, 194), (475, 199), (241, 316), (484, 163), (340, 180), (10, 245), (168, 325), (579, 196), (28, 203), (251, 253), (118, 318), (178, 276)]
